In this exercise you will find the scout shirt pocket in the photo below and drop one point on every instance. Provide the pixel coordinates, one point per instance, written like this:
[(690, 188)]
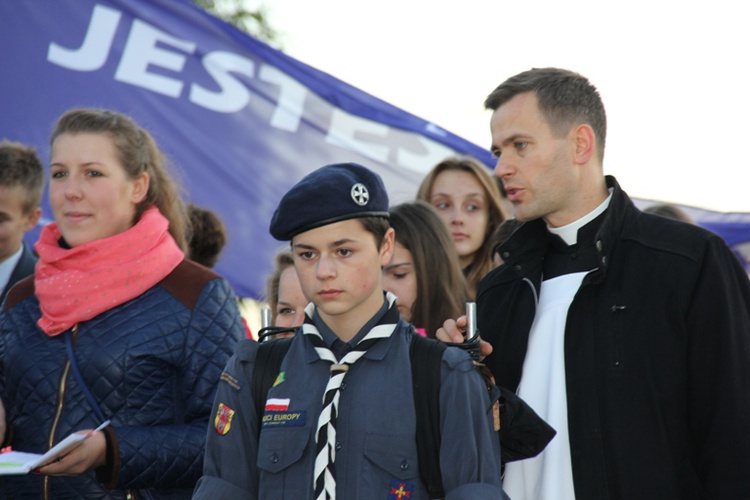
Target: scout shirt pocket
[(280, 452), (391, 469)]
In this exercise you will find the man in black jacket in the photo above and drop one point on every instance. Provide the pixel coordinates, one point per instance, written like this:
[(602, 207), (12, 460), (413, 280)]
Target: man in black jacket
[(21, 186), (628, 332)]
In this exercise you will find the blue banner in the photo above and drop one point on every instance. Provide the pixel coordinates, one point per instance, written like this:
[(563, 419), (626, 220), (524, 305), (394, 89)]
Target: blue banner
[(240, 121)]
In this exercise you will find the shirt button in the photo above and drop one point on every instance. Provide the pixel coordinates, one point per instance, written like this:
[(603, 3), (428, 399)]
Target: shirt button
[(274, 458), (338, 445), (404, 465), (343, 385)]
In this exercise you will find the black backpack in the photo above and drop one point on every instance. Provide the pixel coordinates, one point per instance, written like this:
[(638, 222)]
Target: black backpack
[(426, 357)]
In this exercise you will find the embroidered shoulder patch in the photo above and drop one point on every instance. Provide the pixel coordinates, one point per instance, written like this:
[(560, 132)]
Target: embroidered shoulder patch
[(400, 490), (223, 420)]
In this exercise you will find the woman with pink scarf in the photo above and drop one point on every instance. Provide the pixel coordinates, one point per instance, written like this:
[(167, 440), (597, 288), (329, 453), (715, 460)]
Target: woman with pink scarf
[(115, 325)]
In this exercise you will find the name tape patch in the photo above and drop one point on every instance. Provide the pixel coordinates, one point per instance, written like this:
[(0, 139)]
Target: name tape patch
[(229, 379), (283, 419)]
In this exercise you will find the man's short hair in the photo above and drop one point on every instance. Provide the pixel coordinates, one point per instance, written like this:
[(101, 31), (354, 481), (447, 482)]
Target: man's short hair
[(565, 98), (20, 166)]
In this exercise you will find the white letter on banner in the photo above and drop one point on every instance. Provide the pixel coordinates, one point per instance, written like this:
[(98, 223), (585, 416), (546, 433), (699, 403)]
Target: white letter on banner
[(342, 132), (291, 101), (141, 50), (93, 53), (233, 95), (436, 152)]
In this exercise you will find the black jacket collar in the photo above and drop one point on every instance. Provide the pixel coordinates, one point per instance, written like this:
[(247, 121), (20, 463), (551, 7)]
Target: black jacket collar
[(525, 249)]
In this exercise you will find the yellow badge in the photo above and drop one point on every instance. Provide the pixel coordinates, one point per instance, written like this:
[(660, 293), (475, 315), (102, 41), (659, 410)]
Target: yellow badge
[(223, 420), (280, 379)]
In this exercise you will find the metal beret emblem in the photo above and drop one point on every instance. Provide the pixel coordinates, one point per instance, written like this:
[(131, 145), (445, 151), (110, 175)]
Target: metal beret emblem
[(360, 194)]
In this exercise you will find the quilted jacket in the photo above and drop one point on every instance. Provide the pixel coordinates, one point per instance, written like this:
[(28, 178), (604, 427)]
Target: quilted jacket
[(152, 364)]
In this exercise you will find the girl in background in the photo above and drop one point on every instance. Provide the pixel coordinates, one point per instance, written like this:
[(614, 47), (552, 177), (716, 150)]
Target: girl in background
[(284, 294), (424, 272), (468, 201)]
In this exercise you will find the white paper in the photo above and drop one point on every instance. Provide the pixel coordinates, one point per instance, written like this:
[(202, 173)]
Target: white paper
[(19, 462)]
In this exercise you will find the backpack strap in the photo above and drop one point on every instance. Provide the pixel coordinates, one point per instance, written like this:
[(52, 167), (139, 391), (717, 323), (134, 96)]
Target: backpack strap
[(426, 358), (268, 360)]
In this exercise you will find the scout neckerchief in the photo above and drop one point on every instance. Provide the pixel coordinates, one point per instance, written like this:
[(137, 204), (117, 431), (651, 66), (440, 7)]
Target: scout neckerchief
[(325, 437)]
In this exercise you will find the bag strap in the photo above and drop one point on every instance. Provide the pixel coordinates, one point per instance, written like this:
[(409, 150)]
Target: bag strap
[(426, 357), (77, 374), (268, 360)]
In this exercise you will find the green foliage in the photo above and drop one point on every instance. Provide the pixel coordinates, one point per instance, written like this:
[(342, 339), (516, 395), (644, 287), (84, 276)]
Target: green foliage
[(252, 21)]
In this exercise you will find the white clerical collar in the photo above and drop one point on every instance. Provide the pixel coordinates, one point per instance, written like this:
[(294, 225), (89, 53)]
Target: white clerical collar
[(569, 232)]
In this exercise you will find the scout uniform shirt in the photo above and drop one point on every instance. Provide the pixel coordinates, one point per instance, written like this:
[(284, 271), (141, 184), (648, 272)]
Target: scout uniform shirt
[(376, 451)]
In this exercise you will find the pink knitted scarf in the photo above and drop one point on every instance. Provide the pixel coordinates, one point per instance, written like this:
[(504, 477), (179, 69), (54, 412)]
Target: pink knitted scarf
[(79, 283)]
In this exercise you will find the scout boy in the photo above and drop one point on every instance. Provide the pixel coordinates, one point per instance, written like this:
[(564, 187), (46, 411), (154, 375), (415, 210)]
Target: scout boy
[(340, 419)]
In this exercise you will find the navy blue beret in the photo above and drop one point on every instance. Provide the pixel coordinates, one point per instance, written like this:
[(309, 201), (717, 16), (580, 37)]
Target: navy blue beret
[(329, 194)]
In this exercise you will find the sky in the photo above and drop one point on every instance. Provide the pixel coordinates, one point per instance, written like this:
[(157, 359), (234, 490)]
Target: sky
[(673, 75)]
